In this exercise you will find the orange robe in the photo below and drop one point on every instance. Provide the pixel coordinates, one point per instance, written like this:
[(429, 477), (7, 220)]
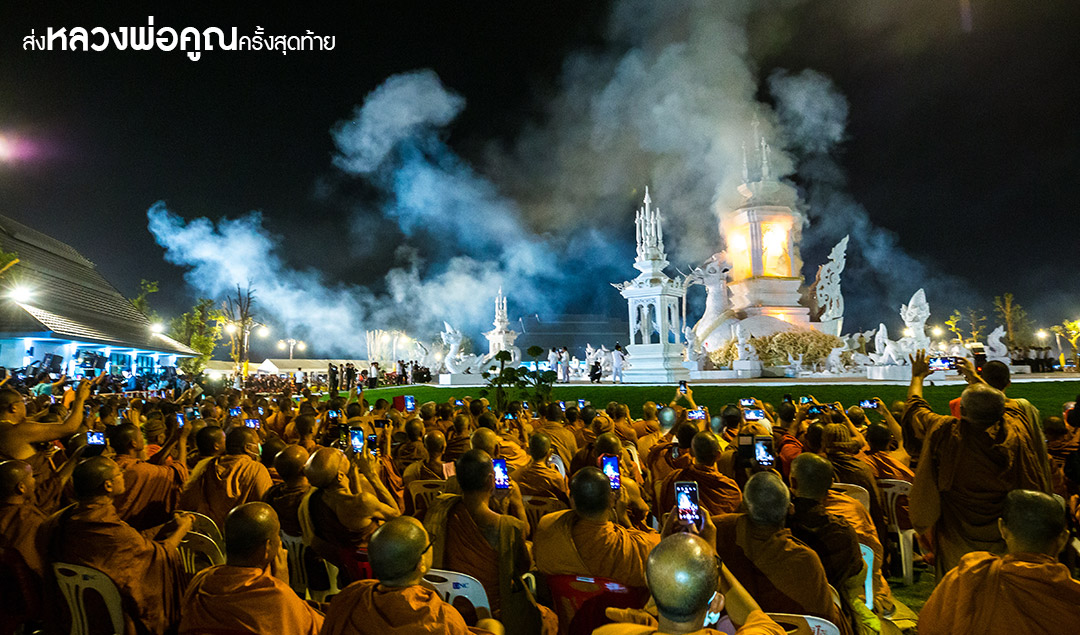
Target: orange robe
[(780, 573), (148, 575), (456, 446), (19, 526), (858, 517), (421, 471), (286, 502), (757, 623), (391, 479), (220, 483), (885, 466), (624, 429), (366, 608), (643, 427), (989, 594), (408, 453), (562, 440), (537, 479), (663, 458), (717, 494), (964, 473), (514, 455), (151, 492), (245, 599), (567, 545)]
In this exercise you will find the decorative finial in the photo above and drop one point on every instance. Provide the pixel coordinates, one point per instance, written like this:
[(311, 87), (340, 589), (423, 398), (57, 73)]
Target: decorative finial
[(745, 165), (647, 199), (766, 172)]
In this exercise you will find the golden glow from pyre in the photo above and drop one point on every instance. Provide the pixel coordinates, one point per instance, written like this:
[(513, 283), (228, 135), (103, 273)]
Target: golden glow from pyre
[(776, 261), (738, 251)]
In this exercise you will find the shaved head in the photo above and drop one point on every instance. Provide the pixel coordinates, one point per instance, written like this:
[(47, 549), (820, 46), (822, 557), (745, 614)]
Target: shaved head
[(126, 437), (813, 475), (1035, 520), (12, 473), (682, 575), (414, 429), (90, 476), (248, 528), (539, 446), (210, 440), (767, 499), (878, 437), (435, 443), (396, 550), (485, 439), (982, 404), (608, 443), (290, 461), (590, 491), (705, 448), (474, 469), (270, 449), (238, 439), (324, 466)]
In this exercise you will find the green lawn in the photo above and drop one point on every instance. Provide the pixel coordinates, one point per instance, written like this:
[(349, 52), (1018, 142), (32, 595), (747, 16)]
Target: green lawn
[(1046, 396)]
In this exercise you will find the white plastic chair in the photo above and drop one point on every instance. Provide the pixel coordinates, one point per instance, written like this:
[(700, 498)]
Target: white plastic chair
[(195, 545), (74, 581), (858, 492), (868, 584), (804, 624), (451, 584), (425, 491), (298, 573), (892, 489), (206, 526), (556, 462), (632, 450), (536, 507)]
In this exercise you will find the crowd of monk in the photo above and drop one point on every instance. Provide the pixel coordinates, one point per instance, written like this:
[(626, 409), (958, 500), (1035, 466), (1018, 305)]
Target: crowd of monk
[(993, 499)]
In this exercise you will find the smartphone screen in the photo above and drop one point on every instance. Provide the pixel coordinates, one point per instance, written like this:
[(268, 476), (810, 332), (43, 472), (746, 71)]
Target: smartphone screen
[(804, 400), (356, 439), (95, 438), (262, 411), (381, 423), (868, 403), (682, 386), (252, 423), (562, 404), (373, 444), (610, 465), (502, 477), (746, 402), (459, 402), (754, 415), (787, 398), (580, 403), (525, 405), (410, 403), (508, 416), (763, 455), (234, 412), (333, 415), (696, 415), (180, 419), (942, 363), (816, 410), (686, 500)]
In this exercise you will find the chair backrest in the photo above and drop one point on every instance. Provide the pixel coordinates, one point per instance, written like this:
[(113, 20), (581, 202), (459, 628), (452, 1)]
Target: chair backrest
[(298, 575), (892, 489), (580, 601), (198, 552), (536, 507), (868, 583), (451, 585), (74, 581), (858, 492), (423, 492), (556, 462), (804, 624), (634, 454), (206, 526)]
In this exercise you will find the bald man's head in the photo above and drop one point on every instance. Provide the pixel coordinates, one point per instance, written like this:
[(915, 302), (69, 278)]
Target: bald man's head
[(97, 476), (590, 492), (812, 476), (13, 474), (705, 447), (980, 403), (270, 449), (290, 461), (485, 439), (608, 443), (414, 429), (539, 446), (474, 470), (252, 535), (435, 443), (239, 440), (397, 550), (682, 575), (126, 438), (325, 466), (210, 441), (1034, 522), (767, 499), (878, 437)]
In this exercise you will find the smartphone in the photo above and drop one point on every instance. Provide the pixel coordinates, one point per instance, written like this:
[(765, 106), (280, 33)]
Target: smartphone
[(410, 403), (373, 444), (356, 439), (754, 415), (508, 416), (86, 412), (817, 410), (562, 404), (525, 405), (682, 386), (696, 415), (805, 400), (868, 404), (180, 419), (262, 411), (234, 412), (381, 423), (333, 415), (609, 463), (787, 398), (686, 500), (580, 403), (459, 402), (747, 402), (252, 423), (763, 452), (942, 363), (502, 477), (95, 438)]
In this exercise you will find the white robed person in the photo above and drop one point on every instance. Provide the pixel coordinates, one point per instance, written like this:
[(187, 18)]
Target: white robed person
[(618, 357), (564, 365), (553, 360)]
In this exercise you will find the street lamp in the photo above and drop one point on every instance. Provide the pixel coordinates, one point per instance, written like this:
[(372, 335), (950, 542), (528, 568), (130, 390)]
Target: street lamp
[(937, 331), (157, 328), (1041, 334), (291, 343), (20, 294)]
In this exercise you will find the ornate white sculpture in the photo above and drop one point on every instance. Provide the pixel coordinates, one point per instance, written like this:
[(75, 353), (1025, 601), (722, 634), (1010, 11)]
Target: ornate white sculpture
[(457, 362), (833, 363), (827, 289), (995, 347), (915, 314), (718, 320), (795, 364), (745, 348), (502, 337)]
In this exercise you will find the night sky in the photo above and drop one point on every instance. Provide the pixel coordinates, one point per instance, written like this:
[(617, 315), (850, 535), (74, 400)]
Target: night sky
[(965, 144)]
